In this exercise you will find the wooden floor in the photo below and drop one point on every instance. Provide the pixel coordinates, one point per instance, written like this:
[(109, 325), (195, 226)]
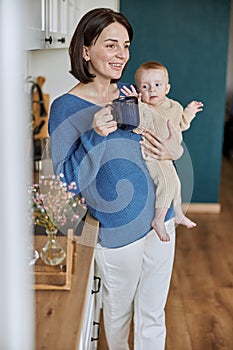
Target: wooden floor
[(199, 310), (200, 304)]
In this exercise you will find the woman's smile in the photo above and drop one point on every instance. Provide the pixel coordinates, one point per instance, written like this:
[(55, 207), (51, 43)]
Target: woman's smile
[(117, 66)]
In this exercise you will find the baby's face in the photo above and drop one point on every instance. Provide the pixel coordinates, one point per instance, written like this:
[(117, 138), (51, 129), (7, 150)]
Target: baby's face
[(153, 85)]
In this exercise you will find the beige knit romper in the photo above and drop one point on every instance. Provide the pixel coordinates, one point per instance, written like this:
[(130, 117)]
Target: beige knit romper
[(163, 172)]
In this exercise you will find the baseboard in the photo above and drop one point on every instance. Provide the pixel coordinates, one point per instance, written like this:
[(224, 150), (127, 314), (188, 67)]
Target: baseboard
[(211, 208)]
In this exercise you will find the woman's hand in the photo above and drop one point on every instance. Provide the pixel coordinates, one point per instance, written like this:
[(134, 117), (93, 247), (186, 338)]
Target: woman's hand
[(163, 148), (103, 122)]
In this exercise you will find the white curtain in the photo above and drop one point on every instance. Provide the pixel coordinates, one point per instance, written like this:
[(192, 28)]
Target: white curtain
[(16, 295)]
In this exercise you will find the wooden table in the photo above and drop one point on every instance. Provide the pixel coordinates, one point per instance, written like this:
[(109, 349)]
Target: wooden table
[(59, 314)]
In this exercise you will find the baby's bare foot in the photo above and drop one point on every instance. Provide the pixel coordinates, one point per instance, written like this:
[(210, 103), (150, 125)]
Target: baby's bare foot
[(185, 221), (161, 231)]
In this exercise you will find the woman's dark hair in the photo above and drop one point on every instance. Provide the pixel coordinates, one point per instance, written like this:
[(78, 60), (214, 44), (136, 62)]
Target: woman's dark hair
[(89, 29)]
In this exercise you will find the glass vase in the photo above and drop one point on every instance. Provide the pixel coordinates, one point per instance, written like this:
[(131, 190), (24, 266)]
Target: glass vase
[(52, 253)]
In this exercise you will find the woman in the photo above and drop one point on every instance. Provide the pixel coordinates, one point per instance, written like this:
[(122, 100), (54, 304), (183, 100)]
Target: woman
[(105, 161)]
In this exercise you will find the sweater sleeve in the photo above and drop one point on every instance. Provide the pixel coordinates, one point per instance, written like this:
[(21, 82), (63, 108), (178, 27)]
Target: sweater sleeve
[(74, 143), (187, 117)]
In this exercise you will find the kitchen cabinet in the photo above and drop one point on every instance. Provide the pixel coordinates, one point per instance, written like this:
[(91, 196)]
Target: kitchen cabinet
[(49, 23), (90, 326), (67, 319)]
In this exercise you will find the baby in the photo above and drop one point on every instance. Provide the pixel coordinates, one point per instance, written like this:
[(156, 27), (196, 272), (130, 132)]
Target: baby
[(156, 109)]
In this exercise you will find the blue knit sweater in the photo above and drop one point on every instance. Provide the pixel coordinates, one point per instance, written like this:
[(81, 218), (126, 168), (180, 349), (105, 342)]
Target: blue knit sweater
[(109, 171)]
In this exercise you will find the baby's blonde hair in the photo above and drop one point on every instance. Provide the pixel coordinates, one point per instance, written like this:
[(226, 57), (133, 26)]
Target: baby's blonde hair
[(150, 65)]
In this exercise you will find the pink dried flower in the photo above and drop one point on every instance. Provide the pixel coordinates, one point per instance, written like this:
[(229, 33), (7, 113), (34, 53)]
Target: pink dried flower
[(54, 204)]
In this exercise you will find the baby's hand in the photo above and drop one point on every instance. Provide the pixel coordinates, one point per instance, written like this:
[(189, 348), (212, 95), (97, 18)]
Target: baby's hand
[(129, 92), (195, 106)]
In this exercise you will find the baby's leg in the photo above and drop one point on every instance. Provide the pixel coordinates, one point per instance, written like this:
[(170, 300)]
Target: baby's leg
[(158, 224), (181, 219)]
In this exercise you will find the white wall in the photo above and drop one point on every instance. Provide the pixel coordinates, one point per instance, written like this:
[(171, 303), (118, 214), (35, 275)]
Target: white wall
[(87, 5), (54, 65)]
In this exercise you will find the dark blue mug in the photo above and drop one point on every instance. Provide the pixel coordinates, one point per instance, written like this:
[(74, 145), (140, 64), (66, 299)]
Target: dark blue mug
[(126, 113)]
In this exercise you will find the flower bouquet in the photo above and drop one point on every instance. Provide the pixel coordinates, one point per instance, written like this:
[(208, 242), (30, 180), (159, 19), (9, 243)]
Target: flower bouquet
[(55, 206)]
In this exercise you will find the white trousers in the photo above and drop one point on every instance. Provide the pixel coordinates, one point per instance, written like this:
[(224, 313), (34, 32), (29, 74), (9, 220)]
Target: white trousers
[(136, 280)]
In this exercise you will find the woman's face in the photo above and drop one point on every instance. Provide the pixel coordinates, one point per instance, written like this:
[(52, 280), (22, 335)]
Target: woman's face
[(108, 55)]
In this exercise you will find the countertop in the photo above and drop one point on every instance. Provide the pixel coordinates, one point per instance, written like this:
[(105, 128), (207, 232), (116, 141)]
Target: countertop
[(59, 314)]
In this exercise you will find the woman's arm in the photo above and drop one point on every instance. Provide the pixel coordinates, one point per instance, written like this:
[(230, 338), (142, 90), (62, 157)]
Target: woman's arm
[(163, 148), (78, 142)]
